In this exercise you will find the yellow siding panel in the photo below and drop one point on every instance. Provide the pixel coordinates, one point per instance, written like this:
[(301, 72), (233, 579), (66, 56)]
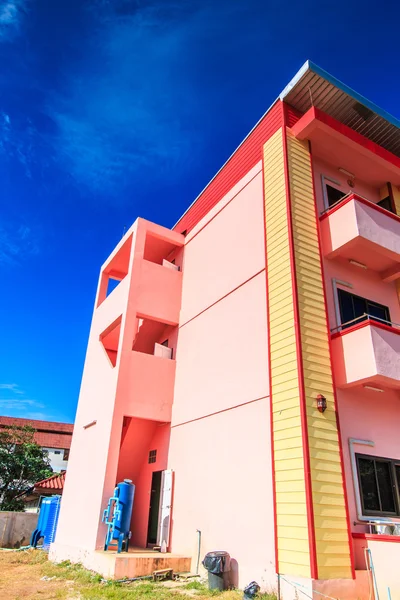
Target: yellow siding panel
[(333, 555), (286, 423)]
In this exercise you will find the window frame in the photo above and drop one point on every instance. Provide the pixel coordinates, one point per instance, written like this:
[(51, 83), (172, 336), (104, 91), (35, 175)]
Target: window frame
[(393, 463), (343, 324), (329, 181)]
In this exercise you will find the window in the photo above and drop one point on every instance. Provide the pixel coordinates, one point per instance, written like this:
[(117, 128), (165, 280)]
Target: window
[(333, 194), (352, 308), (152, 456), (66, 454), (386, 203), (379, 480), (57, 451)]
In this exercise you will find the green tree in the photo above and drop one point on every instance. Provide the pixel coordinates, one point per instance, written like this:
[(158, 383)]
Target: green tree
[(22, 463)]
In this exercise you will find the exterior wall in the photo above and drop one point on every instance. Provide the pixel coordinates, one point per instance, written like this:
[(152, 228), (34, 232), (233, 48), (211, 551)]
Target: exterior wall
[(220, 422), (367, 415), (312, 531), (102, 403), (56, 457), (51, 436), (333, 553), (140, 514), (292, 538), (16, 528)]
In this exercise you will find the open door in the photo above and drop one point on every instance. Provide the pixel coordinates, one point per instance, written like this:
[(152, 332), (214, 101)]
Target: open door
[(164, 520), (155, 507)]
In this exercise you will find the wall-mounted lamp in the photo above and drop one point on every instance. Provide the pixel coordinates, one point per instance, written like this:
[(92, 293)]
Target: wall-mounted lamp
[(321, 403)]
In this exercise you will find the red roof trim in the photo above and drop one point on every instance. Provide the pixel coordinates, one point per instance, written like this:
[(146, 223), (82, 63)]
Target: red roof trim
[(317, 114), (247, 155), (55, 482), (45, 426)]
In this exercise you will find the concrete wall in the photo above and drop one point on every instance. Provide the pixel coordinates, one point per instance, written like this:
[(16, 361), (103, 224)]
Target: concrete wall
[(16, 528)]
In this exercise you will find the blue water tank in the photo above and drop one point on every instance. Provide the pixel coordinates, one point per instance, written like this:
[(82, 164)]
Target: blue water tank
[(38, 533), (50, 527), (118, 515)]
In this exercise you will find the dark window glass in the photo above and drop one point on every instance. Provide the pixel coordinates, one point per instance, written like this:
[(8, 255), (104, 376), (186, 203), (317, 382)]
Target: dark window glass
[(353, 307), (397, 469), (377, 486), (152, 456), (346, 306), (333, 194), (369, 488), (377, 310), (386, 204), (384, 477)]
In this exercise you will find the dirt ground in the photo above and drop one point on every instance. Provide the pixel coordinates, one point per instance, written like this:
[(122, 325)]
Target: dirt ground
[(28, 575), (20, 578)]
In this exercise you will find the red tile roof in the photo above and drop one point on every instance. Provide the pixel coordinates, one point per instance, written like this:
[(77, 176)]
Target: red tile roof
[(55, 482), (48, 434)]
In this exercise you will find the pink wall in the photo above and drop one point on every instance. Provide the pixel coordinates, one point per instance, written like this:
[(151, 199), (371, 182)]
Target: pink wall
[(321, 167), (140, 514), (95, 450), (367, 284), (222, 460), (223, 487), (226, 252), (141, 437), (368, 415)]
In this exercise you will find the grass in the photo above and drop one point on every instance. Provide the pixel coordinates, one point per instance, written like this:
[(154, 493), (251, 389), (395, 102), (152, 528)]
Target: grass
[(22, 573)]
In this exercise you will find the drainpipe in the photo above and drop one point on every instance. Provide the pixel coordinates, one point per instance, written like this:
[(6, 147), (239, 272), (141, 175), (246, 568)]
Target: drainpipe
[(198, 550)]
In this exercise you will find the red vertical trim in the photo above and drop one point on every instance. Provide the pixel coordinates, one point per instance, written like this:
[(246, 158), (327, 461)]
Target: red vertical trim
[(303, 411), (270, 379), (351, 549)]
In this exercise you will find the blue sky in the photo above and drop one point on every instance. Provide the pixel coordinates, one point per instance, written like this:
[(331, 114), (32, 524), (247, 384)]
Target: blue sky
[(113, 109)]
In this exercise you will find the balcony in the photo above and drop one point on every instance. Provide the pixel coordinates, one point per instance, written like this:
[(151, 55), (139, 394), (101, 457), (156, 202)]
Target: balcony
[(159, 291), (148, 389), (367, 353), (358, 230)]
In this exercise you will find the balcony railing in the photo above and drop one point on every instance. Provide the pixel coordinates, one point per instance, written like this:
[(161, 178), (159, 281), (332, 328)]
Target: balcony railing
[(362, 318)]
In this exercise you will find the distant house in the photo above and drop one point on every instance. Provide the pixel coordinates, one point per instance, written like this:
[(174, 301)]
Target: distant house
[(51, 486), (53, 437)]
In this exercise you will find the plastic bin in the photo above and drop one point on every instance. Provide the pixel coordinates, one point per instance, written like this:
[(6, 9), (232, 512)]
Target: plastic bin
[(218, 565)]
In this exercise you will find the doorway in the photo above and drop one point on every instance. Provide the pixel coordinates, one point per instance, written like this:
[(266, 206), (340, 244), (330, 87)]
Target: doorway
[(154, 508)]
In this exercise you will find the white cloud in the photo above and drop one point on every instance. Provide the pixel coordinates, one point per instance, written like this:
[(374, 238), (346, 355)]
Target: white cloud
[(11, 387), (12, 13), (19, 404), (14, 402), (16, 243)]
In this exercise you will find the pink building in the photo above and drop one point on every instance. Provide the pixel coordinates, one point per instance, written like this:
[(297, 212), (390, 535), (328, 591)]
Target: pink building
[(245, 371)]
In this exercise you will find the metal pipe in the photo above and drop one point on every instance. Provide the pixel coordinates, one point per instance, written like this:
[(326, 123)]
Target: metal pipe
[(198, 550)]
